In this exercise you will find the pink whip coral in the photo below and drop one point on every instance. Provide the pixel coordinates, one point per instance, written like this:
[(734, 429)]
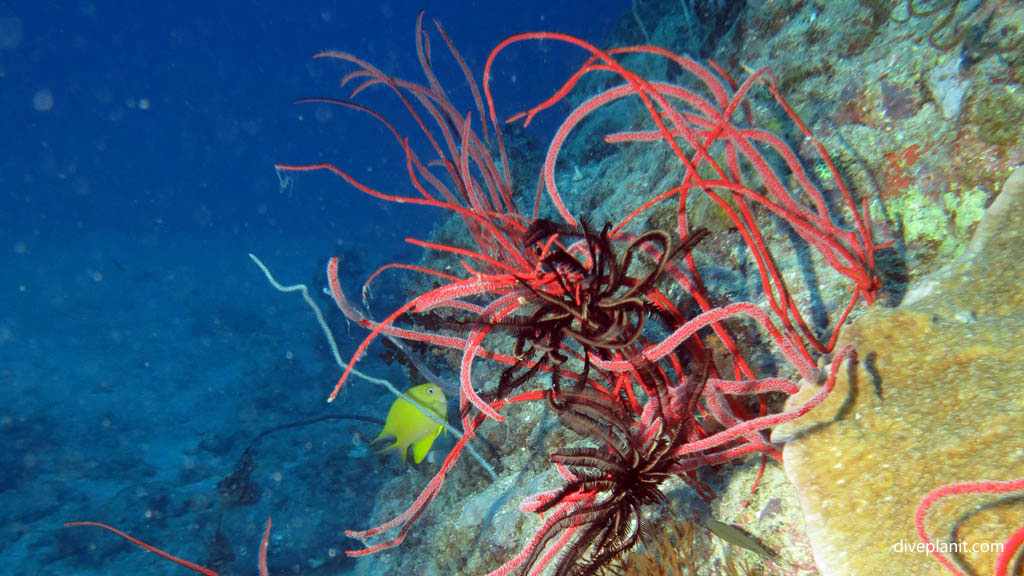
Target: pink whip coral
[(263, 571), (603, 311), (1014, 543)]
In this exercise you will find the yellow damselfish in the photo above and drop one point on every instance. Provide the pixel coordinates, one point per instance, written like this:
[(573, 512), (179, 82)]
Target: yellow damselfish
[(410, 427)]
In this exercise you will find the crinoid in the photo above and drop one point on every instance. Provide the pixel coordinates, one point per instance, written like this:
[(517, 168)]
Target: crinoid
[(598, 513), (585, 292)]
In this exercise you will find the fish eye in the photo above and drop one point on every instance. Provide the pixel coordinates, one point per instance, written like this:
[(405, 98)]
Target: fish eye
[(430, 390)]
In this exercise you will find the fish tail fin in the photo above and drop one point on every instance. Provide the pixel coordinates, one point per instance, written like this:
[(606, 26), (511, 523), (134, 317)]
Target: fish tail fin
[(402, 449), (390, 446)]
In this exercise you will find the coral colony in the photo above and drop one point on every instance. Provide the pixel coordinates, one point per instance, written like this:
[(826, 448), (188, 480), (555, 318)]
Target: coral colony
[(629, 367), (611, 325)]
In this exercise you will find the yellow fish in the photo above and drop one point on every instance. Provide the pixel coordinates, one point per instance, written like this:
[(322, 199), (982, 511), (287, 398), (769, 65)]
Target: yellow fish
[(409, 426)]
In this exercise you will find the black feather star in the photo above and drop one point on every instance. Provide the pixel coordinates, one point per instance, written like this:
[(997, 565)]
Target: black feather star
[(590, 296), (598, 513)]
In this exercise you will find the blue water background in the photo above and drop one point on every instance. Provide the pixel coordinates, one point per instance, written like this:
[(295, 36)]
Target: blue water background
[(139, 346)]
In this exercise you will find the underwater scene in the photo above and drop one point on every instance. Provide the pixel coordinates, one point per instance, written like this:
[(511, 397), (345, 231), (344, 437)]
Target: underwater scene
[(637, 287)]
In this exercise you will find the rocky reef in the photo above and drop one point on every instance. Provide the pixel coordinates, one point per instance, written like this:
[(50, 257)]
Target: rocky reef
[(934, 400)]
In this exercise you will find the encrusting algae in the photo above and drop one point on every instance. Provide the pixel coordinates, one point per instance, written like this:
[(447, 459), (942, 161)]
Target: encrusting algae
[(934, 400)]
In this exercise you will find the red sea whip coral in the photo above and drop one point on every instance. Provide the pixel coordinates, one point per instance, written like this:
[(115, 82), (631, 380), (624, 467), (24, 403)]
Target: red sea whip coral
[(651, 395), (1014, 542), (753, 175)]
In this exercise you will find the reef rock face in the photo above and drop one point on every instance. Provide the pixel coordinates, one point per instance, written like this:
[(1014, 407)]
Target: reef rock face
[(937, 397)]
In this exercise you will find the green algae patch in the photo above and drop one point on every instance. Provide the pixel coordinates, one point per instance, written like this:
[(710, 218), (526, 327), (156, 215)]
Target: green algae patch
[(996, 112), (938, 226)]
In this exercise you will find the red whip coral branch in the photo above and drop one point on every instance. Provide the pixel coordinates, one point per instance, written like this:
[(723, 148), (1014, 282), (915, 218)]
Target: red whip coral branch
[(1013, 544), (262, 555), (686, 118), (765, 422)]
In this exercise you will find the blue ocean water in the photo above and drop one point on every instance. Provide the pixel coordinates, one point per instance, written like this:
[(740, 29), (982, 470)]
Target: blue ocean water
[(140, 348)]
